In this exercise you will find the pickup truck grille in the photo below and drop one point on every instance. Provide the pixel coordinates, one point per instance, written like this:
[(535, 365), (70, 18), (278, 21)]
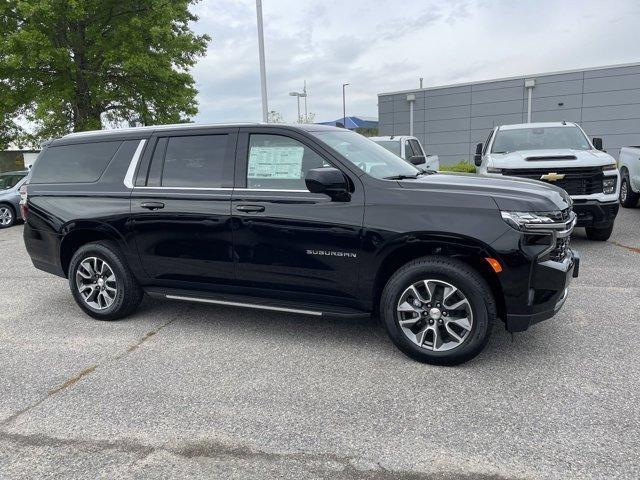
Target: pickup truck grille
[(576, 181)]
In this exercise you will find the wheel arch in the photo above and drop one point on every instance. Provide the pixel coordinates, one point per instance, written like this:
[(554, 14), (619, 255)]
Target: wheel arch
[(469, 251), (80, 235)]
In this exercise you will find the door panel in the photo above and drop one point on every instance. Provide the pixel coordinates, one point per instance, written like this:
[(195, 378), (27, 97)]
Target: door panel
[(290, 239), (182, 212)]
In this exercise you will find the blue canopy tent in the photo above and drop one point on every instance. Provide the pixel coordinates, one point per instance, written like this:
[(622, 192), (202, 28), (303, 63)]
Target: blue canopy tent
[(353, 122)]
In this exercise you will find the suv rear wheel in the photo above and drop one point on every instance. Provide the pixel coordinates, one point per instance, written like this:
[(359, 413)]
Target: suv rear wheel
[(101, 282), (438, 310)]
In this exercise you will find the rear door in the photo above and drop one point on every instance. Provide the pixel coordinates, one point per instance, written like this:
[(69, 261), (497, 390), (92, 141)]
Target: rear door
[(286, 238), (181, 207)]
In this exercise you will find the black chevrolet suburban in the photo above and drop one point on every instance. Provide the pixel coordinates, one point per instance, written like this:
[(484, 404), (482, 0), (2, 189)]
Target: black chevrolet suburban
[(304, 219)]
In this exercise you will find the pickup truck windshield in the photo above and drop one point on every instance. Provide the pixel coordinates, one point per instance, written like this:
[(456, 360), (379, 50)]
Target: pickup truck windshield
[(393, 147), (540, 139), (367, 155)]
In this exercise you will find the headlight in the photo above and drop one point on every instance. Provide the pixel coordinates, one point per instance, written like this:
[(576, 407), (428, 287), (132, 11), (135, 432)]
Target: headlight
[(494, 170), (519, 220), (609, 185), (611, 166)]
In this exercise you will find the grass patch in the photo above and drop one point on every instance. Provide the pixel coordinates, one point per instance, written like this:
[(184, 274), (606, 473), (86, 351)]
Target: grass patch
[(462, 166)]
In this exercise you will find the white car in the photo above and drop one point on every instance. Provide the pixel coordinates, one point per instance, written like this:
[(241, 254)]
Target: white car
[(559, 153), (410, 149), (630, 174)]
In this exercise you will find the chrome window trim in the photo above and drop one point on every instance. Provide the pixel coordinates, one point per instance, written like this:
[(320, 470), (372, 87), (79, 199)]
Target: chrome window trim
[(186, 188), (128, 178)]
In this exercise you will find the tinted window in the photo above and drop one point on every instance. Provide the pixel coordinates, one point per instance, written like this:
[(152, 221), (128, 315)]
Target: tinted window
[(417, 149), (81, 163), (408, 150), (194, 161), (277, 162)]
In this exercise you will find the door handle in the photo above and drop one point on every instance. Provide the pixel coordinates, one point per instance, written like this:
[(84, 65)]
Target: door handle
[(250, 208), (152, 205)]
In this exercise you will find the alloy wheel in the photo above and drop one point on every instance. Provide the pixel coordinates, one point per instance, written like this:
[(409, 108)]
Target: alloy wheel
[(6, 216), (96, 283), (435, 315), (624, 190)]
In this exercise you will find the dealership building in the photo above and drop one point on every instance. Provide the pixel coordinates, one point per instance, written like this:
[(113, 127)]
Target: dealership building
[(450, 120)]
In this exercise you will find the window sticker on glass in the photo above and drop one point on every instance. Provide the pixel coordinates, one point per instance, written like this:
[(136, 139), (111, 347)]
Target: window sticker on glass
[(276, 162)]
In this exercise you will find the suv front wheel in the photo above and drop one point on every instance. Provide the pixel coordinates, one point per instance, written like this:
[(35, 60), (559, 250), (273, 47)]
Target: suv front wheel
[(101, 282), (438, 310)]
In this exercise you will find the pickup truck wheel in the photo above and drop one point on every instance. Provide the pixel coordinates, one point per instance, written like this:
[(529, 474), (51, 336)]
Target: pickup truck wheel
[(628, 198), (101, 282), (599, 234), (438, 310), (7, 216)]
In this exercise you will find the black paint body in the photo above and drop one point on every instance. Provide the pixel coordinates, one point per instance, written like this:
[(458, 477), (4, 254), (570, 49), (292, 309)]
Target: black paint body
[(297, 246)]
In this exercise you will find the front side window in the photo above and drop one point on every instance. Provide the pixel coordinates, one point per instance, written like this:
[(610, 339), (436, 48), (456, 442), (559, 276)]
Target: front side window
[(194, 161), (408, 150), (544, 138), (417, 148), (280, 163), (367, 155)]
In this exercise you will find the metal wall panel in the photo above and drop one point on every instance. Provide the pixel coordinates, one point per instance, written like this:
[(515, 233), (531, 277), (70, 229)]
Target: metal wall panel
[(451, 120)]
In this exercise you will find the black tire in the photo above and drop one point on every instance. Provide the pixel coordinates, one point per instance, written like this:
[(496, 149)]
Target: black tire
[(463, 277), (128, 294), (628, 198), (599, 234), (7, 216)]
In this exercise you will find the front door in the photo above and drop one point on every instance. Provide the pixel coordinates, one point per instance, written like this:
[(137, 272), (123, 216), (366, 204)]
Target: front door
[(285, 237), (181, 208)]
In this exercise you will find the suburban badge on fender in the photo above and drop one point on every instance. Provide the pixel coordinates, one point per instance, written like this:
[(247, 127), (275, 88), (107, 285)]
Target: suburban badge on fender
[(331, 254)]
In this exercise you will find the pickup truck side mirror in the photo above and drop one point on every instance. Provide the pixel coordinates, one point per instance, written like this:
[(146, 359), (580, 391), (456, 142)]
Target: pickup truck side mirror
[(417, 159), (597, 143), (328, 180), (477, 158)]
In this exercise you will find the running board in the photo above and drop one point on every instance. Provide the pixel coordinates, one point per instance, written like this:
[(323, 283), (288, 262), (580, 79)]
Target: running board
[(255, 303)]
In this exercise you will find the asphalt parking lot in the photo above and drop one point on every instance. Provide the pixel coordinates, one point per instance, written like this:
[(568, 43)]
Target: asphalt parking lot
[(182, 390)]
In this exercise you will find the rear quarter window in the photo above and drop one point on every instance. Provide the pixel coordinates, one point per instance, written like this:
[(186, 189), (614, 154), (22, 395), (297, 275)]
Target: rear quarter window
[(79, 163)]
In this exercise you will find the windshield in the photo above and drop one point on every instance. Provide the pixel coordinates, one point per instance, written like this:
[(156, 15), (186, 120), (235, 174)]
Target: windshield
[(367, 155), (540, 139), (9, 180), (393, 147)]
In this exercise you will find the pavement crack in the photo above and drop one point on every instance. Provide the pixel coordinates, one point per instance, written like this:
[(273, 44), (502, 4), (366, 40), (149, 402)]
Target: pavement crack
[(87, 371), (633, 249)]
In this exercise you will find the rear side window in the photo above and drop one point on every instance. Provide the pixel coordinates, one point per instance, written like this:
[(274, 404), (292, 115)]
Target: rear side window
[(194, 161), (9, 181), (79, 163)]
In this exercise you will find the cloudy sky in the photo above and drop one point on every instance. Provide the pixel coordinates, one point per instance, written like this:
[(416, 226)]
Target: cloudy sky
[(380, 46)]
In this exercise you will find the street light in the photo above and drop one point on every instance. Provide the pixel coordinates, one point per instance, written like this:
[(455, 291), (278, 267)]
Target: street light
[(344, 108), (263, 70), (299, 94)]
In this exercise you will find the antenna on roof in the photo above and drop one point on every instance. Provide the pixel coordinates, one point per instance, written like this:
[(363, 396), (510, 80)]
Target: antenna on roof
[(564, 122)]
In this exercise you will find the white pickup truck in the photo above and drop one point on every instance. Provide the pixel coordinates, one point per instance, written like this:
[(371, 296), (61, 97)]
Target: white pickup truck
[(629, 165), (559, 153), (410, 149)]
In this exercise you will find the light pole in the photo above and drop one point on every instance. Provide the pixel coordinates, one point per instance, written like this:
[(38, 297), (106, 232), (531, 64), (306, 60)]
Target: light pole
[(306, 114), (344, 107), (298, 94), (263, 71)]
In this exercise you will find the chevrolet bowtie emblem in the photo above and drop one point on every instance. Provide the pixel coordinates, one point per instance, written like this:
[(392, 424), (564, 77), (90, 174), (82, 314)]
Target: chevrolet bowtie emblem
[(552, 176)]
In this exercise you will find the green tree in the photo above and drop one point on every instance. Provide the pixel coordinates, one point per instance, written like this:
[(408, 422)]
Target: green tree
[(74, 65)]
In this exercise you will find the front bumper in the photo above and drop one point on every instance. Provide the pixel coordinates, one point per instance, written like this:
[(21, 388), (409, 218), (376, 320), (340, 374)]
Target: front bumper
[(548, 291), (592, 213)]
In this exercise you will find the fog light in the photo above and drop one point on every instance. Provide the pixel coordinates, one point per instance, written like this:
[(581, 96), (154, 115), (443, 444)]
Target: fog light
[(609, 185)]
